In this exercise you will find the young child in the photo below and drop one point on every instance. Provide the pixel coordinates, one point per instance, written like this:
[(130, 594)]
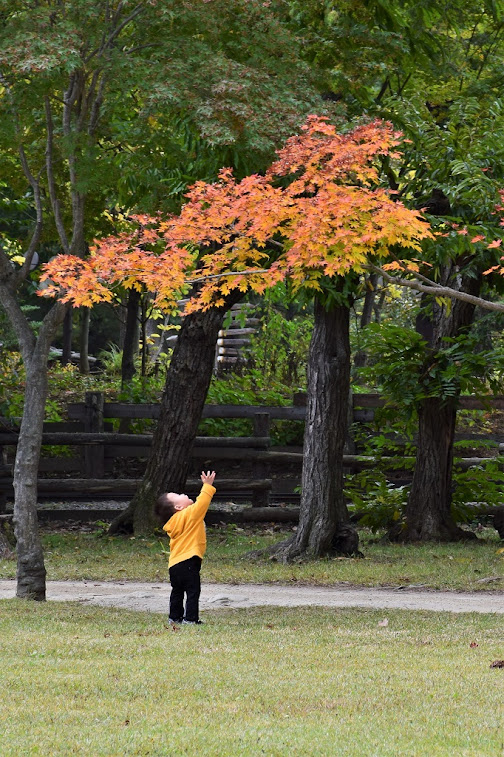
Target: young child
[(183, 522)]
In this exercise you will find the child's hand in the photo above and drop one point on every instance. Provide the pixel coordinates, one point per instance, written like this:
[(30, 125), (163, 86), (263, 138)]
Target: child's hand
[(208, 478)]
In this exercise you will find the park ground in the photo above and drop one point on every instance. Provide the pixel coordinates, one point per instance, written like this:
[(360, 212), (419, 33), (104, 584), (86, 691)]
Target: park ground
[(284, 665)]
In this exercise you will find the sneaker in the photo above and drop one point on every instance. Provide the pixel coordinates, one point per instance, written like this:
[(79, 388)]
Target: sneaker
[(192, 623), (176, 622)]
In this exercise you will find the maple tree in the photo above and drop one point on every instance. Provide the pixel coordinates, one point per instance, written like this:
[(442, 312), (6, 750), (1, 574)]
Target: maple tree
[(314, 217), (106, 102), (433, 69), (326, 222)]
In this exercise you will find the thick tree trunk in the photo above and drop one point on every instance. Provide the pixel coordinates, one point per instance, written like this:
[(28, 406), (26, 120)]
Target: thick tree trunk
[(323, 520), (428, 511), (184, 396)]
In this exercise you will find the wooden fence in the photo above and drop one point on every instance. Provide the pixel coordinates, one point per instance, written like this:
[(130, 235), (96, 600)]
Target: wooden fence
[(89, 472)]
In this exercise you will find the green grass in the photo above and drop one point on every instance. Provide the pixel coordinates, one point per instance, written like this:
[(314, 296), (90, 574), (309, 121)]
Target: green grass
[(93, 555), (90, 681)]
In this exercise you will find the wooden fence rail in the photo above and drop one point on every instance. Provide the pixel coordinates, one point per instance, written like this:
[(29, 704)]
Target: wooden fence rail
[(90, 431)]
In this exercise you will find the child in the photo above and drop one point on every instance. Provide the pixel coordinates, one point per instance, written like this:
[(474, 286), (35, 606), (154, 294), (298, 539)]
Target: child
[(183, 522)]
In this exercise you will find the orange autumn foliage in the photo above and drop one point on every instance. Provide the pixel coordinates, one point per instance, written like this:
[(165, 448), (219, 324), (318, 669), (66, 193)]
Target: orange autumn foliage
[(133, 259), (317, 212)]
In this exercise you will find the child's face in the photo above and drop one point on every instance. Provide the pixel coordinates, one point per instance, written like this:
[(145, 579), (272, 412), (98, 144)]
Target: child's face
[(180, 501)]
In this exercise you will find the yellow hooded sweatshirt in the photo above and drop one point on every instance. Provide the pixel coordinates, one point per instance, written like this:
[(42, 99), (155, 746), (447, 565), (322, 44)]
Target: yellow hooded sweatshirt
[(186, 528)]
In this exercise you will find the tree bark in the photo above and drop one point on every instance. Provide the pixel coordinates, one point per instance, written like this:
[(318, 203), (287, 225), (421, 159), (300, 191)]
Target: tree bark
[(85, 319), (130, 342), (184, 395), (360, 358), (66, 354), (31, 573), (428, 511), (324, 520)]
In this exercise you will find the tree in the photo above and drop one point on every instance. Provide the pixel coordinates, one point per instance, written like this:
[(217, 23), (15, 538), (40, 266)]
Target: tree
[(92, 94), (314, 217), (433, 69)]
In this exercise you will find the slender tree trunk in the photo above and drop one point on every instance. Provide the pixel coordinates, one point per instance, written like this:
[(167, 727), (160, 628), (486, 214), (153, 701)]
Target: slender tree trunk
[(428, 511), (367, 312), (30, 561), (85, 319), (130, 342), (31, 571), (184, 396), (67, 337), (323, 521)]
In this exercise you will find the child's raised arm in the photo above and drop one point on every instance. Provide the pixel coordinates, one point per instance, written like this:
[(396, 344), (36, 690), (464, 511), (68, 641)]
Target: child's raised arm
[(208, 478)]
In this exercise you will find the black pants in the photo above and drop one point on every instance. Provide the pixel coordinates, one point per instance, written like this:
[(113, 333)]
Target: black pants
[(185, 579)]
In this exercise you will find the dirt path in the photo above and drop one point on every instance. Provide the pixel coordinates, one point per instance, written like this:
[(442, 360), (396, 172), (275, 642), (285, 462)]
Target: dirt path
[(153, 597)]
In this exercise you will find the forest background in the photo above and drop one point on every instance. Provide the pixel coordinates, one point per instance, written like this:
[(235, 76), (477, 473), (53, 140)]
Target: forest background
[(110, 110)]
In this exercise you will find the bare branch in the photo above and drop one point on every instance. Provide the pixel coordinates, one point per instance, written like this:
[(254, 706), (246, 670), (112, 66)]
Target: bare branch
[(436, 290), (71, 96), (134, 13), (106, 42), (37, 231), (53, 318), (50, 178), (223, 275), (95, 108), (35, 185), (10, 303)]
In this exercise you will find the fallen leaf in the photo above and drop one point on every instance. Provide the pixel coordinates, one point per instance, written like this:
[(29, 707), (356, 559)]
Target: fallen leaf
[(383, 623), (497, 664), (473, 644)]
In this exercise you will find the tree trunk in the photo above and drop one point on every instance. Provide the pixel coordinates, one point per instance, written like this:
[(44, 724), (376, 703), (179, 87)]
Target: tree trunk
[(31, 571), (130, 343), (66, 355), (428, 511), (184, 396), (360, 358), (85, 319), (323, 519)]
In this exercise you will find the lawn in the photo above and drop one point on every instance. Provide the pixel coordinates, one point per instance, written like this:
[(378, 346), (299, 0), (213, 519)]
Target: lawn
[(312, 681), (91, 554)]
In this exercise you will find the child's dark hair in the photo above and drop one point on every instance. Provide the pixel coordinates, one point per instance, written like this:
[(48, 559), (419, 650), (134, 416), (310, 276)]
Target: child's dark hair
[(164, 508)]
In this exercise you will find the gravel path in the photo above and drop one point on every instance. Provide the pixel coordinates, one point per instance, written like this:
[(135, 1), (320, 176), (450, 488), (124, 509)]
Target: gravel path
[(153, 597)]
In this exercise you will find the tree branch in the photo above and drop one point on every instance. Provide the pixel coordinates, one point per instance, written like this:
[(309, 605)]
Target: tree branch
[(50, 178), (95, 108), (223, 275), (35, 185), (37, 231), (9, 302), (436, 290), (115, 32)]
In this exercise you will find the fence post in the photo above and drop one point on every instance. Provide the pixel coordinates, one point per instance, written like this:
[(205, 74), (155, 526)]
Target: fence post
[(94, 455), (261, 468)]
